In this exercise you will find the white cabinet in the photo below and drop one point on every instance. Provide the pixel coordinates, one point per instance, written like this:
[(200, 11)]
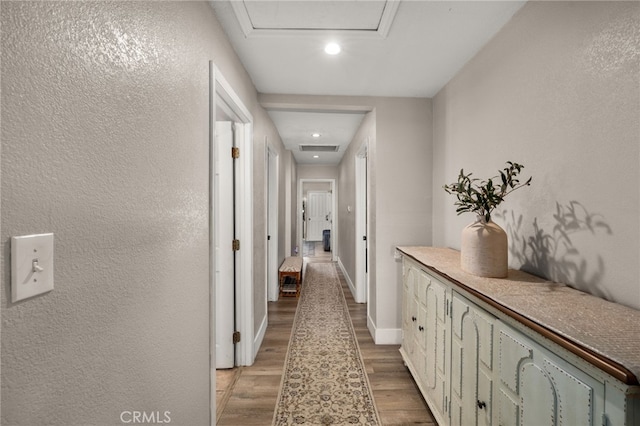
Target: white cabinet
[(476, 365)]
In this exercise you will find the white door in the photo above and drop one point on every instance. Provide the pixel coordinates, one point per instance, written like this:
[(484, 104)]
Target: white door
[(319, 214), (223, 241), (273, 287), (362, 257)]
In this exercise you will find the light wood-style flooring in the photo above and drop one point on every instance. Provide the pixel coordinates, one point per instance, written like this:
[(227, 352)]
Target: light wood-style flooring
[(247, 395)]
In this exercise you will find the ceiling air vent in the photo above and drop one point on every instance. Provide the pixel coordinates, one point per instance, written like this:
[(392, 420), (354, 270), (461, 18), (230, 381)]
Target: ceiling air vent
[(319, 148)]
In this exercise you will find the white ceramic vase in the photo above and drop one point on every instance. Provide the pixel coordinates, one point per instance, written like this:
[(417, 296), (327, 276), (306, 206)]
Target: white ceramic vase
[(484, 249)]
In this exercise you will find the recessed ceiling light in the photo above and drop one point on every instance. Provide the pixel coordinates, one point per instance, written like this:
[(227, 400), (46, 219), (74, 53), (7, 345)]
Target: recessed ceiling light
[(316, 156), (332, 48), (315, 135)]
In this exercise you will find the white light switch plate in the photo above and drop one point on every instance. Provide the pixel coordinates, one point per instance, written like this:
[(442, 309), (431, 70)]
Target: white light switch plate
[(31, 265)]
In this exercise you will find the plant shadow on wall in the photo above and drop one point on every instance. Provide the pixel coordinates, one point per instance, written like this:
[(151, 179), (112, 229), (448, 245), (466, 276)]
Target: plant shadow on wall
[(553, 254)]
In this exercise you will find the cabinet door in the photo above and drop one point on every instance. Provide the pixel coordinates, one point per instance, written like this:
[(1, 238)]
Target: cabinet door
[(409, 312), (433, 339), (425, 335), (538, 388), (472, 367), (418, 327)]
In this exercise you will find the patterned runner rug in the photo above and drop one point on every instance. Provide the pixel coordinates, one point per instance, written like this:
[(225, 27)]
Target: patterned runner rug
[(324, 380)]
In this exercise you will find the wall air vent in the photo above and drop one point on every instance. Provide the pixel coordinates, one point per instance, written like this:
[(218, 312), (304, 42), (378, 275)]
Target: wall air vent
[(319, 148)]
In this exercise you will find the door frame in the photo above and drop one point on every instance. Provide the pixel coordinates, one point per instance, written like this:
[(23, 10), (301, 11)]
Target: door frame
[(272, 166), (334, 215), (361, 294), (218, 86)]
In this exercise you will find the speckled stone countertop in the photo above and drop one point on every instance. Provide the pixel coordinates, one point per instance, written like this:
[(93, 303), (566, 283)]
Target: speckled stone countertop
[(607, 329)]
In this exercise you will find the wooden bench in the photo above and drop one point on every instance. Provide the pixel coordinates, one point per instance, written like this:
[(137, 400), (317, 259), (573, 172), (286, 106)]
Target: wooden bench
[(290, 276)]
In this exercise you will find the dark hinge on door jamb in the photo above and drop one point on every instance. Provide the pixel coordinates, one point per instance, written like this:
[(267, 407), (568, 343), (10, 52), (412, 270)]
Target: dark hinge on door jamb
[(236, 245), (235, 152), (236, 337)]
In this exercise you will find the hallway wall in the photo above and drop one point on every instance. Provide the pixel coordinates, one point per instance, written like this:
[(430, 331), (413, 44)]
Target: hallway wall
[(265, 132), (105, 143), (291, 200), (311, 171), (347, 190), (557, 90), (400, 179)]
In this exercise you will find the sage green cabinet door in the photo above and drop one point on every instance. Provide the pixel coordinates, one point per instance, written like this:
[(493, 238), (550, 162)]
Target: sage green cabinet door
[(537, 388), (472, 364)]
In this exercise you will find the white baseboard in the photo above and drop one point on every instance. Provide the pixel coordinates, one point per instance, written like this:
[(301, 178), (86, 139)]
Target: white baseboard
[(257, 341), (352, 287), (384, 336)]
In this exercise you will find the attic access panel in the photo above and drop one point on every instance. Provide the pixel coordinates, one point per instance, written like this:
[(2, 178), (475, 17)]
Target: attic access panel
[(263, 17)]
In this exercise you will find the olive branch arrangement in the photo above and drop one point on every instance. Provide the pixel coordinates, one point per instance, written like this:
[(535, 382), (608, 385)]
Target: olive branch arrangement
[(482, 196)]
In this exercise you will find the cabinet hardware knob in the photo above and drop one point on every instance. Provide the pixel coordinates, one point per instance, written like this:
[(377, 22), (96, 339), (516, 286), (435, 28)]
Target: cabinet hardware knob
[(481, 405), (421, 328), (413, 319)]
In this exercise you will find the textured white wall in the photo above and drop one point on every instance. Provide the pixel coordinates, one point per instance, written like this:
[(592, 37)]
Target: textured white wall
[(105, 143), (558, 90)]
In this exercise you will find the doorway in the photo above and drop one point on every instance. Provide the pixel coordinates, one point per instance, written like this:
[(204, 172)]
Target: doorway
[(361, 293), (272, 224), (230, 230), (317, 218), (224, 232)]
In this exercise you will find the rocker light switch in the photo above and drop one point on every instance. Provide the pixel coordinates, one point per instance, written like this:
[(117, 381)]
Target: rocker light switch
[(31, 265)]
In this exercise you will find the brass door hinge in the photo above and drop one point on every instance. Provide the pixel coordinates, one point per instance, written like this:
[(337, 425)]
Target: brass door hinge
[(236, 245), (236, 337), (235, 152)]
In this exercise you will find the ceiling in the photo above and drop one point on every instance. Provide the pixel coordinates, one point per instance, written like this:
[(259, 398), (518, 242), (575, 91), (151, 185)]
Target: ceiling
[(389, 48)]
